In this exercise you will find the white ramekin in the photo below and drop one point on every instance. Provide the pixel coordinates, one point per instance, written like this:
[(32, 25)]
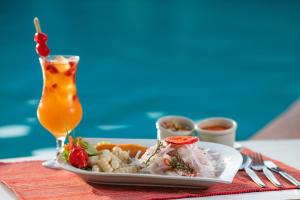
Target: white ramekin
[(226, 137), (163, 132)]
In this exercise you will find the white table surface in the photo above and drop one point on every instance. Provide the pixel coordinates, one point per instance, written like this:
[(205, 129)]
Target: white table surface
[(286, 151)]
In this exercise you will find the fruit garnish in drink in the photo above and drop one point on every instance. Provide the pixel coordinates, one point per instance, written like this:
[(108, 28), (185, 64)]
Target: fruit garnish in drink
[(41, 39)]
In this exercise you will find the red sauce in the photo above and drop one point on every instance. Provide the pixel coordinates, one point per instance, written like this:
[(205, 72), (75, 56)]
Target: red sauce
[(215, 128)]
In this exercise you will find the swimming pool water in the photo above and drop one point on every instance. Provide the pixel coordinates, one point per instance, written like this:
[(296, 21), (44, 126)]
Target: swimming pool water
[(144, 59)]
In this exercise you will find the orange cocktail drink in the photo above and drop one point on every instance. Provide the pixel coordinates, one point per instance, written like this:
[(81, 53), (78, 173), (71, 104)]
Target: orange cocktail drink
[(59, 110)]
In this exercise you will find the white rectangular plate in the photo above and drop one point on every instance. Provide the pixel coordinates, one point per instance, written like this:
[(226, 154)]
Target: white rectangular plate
[(232, 160)]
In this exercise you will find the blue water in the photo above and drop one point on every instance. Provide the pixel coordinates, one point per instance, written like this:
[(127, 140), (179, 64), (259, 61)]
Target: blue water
[(143, 59)]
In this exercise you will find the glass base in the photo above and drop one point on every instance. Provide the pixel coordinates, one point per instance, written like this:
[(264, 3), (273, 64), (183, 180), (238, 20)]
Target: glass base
[(52, 164)]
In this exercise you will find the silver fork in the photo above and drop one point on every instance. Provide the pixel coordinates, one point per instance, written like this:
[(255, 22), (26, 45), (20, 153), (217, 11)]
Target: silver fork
[(258, 165), (251, 173)]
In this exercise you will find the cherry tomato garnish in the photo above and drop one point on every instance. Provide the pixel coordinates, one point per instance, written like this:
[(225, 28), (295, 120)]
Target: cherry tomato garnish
[(42, 49), (78, 157), (40, 38), (180, 140)]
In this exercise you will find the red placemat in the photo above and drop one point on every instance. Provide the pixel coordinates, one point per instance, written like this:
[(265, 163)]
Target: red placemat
[(30, 181)]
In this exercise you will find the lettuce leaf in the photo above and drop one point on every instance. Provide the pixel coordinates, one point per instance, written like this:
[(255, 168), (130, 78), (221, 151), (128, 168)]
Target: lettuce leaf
[(65, 155)]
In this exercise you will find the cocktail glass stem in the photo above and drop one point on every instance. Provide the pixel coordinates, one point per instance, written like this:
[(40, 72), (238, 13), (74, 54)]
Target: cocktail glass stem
[(59, 149), (59, 146)]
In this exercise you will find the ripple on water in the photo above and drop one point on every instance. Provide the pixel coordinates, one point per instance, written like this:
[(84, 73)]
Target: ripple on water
[(32, 102), (12, 131), (30, 119), (154, 115), (112, 127)]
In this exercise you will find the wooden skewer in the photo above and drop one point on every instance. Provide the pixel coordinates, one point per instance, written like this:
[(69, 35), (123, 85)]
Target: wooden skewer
[(37, 25)]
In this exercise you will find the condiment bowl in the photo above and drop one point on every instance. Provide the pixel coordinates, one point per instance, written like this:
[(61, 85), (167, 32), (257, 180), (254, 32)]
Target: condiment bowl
[(209, 130), (180, 122)]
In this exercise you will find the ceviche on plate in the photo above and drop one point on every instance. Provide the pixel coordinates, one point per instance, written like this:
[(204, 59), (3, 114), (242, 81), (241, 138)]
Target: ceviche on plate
[(177, 155), (172, 162)]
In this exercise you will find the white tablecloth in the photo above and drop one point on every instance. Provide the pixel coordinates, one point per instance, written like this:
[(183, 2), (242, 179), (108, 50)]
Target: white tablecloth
[(286, 151)]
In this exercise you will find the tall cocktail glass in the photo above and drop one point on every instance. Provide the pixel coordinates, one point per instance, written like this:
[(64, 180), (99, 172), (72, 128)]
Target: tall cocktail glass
[(59, 110)]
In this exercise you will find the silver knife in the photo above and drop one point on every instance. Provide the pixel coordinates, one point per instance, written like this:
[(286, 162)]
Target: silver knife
[(271, 177), (252, 174), (272, 166)]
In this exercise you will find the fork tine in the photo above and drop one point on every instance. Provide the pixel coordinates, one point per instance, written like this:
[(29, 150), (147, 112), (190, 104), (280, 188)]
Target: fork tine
[(261, 158), (261, 161), (252, 155), (256, 158), (252, 158)]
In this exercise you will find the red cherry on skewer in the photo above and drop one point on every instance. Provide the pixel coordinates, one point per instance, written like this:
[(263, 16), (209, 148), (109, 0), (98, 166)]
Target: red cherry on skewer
[(42, 49), (40, 37)]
